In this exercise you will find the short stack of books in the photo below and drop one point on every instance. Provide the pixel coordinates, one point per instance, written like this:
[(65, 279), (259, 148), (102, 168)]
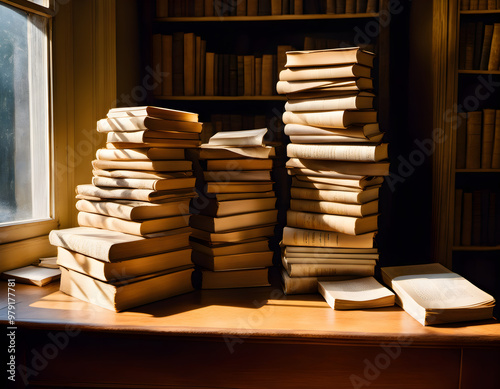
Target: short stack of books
[(336, 163), (234, 214), (132, 246)]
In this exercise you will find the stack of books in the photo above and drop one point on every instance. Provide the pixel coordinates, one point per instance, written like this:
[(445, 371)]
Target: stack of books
[(234, 214), (337, 165), (132, 246)]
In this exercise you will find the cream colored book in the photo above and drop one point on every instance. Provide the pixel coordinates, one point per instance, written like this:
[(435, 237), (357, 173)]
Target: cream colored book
[(343, 182), (331, 119), (328, 57), (314, 238), (361, 100), (157, 166), (140, 174), (361, 197), (168, 139), (234, 261), (92, 192), (324, 72), (337, 85), (243, 138), (312, 182), (155, 112), (145, 183), (334, 208), (146, 154), (362, 131), (353, 153), (33, 275), (235, 235), (319, 139), (227, 223), (432, 294), (344, 224), (138, 123), (341, 167), (360, 293), (322, 269)]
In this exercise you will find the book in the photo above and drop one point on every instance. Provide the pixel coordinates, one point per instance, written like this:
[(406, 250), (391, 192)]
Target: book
[(290, 250), (473, 154), (91, 192), (362, 100), (320, 269), (166, 65), (131, 268), (334, 208), (140, 227), (325, 72), (134, 210), (154, 112), (349, 55), (154, 166), (461, 148), (232, 175), (313, 238), (334, 139), (306, 285), (227, 223), (146, 154), (145, 183), (457, 222), (118, 296), (189, 63), (156, 60), (140, 174), (334, 179), (239, 164), (113, 246), (244, 260), (329, 259), (303, 88), (217, 208), (361, 293), (494, 59), (216, 249), (432, 294), (32, 275), (344, 224), (488, 135), (320, 183), (154, 138), (363, 131), (238, 187), (341, 167), (495, 160), (215, 152), (243, 138), (138, 123), (486, 47), (332, 119), (359, 153), (206, 279), (238, 235)]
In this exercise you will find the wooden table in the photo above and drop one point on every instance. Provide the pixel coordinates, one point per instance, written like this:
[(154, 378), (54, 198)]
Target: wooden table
[(243, 338)]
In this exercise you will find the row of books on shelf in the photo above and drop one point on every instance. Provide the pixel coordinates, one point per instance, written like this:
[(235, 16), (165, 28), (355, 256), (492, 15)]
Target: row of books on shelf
[(479, 46), (478, 140), (476, 5), (477, 218), (221, 8)]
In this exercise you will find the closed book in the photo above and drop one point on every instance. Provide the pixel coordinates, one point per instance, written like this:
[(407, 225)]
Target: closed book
[(311, 182), (241, 8), (160, 166), (493, 221), (152, 138), (209, 8), (189, 64), (252, 7), (143, 227), (145, 183), (276, 7), (360, 153), (146, 154), (340, 6), (32, 275), (236, 235), (216, 249), (166, 65), (157, 61), (332, 119), (336, 85), (302, 250), (361, 6), (362, 100), (258, 76), (134, 210), (233, 75), (230, 176), (162, 8), (298, 7), (140, 174), (485, 216), (246, 260), (153, 112), (112, 246), (238, 187), (487, 138), (213, 207), (362, 131), (350, 6), (314, 238), (494, 60), (267, 86), (348, 182), (470, 28), (457, 222), (344, 224), (253, 219), (330, 6), (123, 270), (329, 57), (139, 123), (340, 167), (319, 259), (474, 126), (344, 197), (371, 6), (306, 285), (207, 279), (486, 47), (91, 192), (334, 208), (318, 270), (249, 85), (324, 72), (210, 74), (120, 296), (239, 164)]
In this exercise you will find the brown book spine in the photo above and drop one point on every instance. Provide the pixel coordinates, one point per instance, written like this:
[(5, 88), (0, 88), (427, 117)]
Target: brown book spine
[(465, 5), (372, 6), (492, 4), (485, 51), (494, 60), (241, 8), (469, 45), (258, 76), (473, 156), (156, 61), (209, 8), (197, 64), (461, 140), (478, 44), (298, 7), (189, 64), (361, 6), (209, 74), (199, 8), (178, 63), (276, 7), (495, 160), (267, 75), (474, 5), (458, 217), (166, 53), (467, 219), (252, 7), (241, 75), (488, 136), (161, 8), (350, 6), (233, 75), (340, 6), (482, 4)]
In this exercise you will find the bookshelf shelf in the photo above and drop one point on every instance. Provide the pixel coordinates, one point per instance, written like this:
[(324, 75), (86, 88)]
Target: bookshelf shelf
[(479, 72), (477, 170), (267, 18), (481, 12), (222, 98), (476, 248)]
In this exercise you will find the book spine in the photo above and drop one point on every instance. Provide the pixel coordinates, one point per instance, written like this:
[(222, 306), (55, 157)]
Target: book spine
[(458, 217), (461, 140), (312, 238), (166, 52), (319, 270), (189, 64), (365, 153), (473, 155), (157, 61), (488, 138), (329, 207), (494, 60), (495, 161), (310, 221)]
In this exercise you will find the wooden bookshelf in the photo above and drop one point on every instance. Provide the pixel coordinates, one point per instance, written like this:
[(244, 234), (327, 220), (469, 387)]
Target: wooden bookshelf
[(477, 170), (481, 12), (266, 18), (479, 72), (476, 248)]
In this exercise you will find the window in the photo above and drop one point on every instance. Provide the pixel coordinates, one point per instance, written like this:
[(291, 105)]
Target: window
[(25, 157)]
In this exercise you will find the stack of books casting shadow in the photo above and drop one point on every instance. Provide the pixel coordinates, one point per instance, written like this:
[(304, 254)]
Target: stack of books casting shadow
[(132, 246), (235, 214), (337, 164)]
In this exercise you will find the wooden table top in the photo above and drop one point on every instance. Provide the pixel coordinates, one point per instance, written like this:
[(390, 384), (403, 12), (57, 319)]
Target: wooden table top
[(252, 313)]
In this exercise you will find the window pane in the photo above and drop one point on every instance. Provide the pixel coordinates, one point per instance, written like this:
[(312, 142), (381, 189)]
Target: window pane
[(24, 157)]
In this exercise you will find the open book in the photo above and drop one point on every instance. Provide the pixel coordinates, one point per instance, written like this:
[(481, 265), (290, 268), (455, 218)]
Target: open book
[(432, 294)]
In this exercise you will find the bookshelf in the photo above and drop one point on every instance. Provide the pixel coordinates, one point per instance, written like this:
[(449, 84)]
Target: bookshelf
[(458, 87)]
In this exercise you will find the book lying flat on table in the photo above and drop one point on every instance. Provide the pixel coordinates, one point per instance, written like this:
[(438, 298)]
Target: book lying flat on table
[(34, 275), (213, 207), (341, 167), (326, 269), (335, 85), (361, 100), (362, 131), (360, 293), (357, 153), (239, 164), (145, 183), (233, 222), (432, 294), (146, 154), (361, 197), (125, 294)]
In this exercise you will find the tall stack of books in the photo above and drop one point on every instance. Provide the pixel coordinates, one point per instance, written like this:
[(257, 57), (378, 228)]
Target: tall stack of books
[(132, 246), (337, 166), (234, 214)]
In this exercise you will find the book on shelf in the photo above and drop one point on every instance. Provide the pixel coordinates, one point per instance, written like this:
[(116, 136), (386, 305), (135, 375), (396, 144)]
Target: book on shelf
[(134, 210), (488, 135), (120, 295), (361, 293), (432, 294), (113, 246), (207, 279), (479, 46), (130, 268), (32, 275)]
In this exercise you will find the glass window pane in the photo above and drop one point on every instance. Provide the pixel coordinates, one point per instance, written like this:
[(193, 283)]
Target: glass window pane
[(24, 156)]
